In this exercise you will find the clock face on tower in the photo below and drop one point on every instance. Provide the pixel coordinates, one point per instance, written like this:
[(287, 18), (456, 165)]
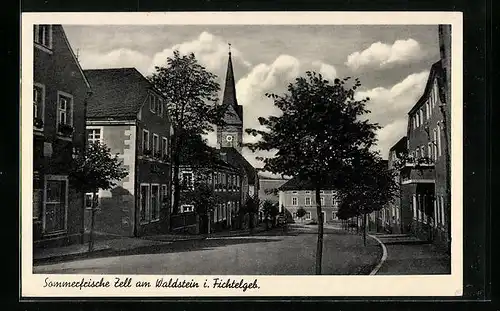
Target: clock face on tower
[(229, 139)]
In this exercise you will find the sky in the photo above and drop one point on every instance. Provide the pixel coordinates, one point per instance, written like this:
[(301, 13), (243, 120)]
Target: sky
[(391, 61)]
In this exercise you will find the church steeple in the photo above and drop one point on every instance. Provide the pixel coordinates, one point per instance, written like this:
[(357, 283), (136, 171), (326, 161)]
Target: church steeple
[(229, 96), (231, 134)]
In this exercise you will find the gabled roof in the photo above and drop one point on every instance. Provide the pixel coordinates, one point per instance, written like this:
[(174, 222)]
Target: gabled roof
[(236, 159), (117, 92), (65, 38), (229, 96), (400, 146), (297, 184), (436, 72)]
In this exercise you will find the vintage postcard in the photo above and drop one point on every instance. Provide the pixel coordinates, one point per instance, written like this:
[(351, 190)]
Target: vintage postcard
[(241, 154)]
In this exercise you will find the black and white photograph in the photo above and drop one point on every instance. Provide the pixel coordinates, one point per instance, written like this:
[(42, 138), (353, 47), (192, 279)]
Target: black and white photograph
[(202, 152)]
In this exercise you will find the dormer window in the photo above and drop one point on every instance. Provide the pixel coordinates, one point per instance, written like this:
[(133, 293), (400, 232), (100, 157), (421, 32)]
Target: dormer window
[(42, 35)]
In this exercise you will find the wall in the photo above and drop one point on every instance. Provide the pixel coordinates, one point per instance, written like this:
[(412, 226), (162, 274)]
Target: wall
[(58, 70), (328, 207), (115, 213), (150, 170)]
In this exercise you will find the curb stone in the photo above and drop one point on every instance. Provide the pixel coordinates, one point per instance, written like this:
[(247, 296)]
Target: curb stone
[(384, 255)]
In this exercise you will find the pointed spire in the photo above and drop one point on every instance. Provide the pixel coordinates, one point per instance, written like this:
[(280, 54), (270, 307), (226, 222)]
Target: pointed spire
[(229, 96)]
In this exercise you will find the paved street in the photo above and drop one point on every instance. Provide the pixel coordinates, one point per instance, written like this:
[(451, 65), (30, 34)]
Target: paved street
[(267, 253)]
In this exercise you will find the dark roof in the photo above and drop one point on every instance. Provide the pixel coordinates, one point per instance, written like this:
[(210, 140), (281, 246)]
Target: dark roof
[(435, 72), (236, 159), (229, 96), (400, 146), (117, 92), (297, 184)]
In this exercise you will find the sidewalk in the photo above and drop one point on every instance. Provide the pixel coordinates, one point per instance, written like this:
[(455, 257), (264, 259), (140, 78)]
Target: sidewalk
[(414, 258), (106, 244)]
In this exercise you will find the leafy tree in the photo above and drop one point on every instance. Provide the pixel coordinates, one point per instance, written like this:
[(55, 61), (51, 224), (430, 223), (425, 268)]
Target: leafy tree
[(270, 210), (192, 96), (315, 137), (371, 187), (301, 212), (251, 207), (95, 169)]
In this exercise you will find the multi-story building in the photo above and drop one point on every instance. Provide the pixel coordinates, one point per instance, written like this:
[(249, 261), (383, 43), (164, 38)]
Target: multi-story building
[(60, 92), (391, 218), (296, 194), (225, 180), (424, 175), (230, 137), (129, 115)]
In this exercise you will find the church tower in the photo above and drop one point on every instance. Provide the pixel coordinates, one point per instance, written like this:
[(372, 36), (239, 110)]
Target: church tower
[(231, 134)]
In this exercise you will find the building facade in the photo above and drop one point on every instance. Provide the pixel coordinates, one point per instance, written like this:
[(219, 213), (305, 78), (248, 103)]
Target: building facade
[(60, 92), (129, 116), (424, 172), (225, 182), (392, 218), (294, 195)]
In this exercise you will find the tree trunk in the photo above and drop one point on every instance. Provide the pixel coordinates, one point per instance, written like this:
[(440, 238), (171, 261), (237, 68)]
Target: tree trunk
[(319, 246), (208, 224), (364, 229), (92, 223)]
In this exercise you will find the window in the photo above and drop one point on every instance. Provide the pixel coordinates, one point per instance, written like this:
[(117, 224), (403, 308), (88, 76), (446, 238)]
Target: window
[(42, 34), (89, 198), (160, 107), (144, 206), (295, 192), (238, 183), (294, 215), (442, 210), (422, 148), (38, 105), (321, 192), (334, 215), (186, 208), (322, 201), (436, 212), (164, 146), (417, 153), (421, 116), (156, 145), (417, 118), (152, 103), (308, 192), (37, 197), (187, 181), (439, 139), (294, 201), (56, 202), (435, 95), (145, 142), (155, 202), (64, 113), (414, 207), (93, 135), (308, 216), (230, 182), (164, 194), (414, 121), (434, 144), (429, 151), (336, 202), (427, 109), (308, 201)]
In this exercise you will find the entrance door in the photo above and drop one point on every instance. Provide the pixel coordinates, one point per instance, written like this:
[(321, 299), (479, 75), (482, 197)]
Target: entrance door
[(324, 216), (56, 202)]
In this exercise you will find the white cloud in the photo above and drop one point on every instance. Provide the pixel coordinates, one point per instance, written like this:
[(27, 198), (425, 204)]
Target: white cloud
[(270, 78), (210, 50), (389, 107), (382, 55), (115, 59)]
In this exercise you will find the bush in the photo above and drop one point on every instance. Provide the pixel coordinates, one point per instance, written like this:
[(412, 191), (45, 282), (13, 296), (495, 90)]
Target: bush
[(301, 212)]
